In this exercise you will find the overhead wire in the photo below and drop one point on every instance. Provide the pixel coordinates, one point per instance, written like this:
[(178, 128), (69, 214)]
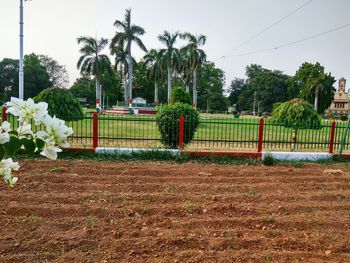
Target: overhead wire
[(290, 43), (266, 29)]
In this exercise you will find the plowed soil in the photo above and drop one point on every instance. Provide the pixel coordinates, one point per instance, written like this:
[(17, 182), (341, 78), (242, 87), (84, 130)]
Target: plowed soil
[(90, 211)]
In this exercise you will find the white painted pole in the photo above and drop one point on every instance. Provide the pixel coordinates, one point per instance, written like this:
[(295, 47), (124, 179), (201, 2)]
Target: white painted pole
[(21, 55)]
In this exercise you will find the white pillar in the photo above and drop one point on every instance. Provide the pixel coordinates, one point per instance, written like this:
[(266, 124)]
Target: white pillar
[(21, 55)]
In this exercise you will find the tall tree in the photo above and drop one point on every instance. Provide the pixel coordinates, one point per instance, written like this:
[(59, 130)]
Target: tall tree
[(129, 33), (211, 88), (92, 62), (197, 57), (169, 54), (57, 73), (235, 89), (315, 85), (121, 60), (36, 77), (153, 61), (264, 87)]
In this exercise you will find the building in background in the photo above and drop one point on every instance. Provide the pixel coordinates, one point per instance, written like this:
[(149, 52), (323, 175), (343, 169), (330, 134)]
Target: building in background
[(341, 102)]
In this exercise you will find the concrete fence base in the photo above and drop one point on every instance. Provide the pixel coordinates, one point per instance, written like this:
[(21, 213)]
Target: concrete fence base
[(298, 156)]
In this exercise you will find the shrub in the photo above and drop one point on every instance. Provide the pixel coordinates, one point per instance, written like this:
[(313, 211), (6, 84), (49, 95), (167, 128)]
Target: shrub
[(168, 123), (297, 114), (343, 117), (179, 95), (268, 159), (61, 103)]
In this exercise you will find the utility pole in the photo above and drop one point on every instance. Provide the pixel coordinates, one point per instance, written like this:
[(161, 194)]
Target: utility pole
[(21, 53)]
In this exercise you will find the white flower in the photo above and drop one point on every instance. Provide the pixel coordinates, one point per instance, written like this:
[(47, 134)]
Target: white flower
[(6, 167), (27, 110), (24, 130), (56, 134), (4, 135)]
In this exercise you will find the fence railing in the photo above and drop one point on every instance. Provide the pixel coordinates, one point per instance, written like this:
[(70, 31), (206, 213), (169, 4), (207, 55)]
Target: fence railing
[(213, 133)]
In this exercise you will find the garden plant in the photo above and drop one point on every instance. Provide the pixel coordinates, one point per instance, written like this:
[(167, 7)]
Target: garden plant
[(47, 142)]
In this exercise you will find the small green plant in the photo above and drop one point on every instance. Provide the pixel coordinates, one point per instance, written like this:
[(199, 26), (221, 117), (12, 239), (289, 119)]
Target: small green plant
[(171, 190), (34, 218), (90, 221), (188, 207), (270, 218), (252, 192), (268, 159)]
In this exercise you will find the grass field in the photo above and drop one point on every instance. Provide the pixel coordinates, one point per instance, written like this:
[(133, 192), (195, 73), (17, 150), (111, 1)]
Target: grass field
[(214, 132)]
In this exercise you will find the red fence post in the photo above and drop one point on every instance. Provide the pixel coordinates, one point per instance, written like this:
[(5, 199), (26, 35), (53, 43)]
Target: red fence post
[(95, 130), (261, 135), (181, 131), (4, 114), (331, 142)]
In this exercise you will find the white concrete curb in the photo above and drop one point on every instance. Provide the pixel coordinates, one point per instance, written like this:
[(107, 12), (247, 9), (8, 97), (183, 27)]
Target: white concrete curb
[(298, 156), (129, 151)]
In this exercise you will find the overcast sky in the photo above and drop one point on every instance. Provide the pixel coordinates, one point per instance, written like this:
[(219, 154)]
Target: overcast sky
[(52, 26)]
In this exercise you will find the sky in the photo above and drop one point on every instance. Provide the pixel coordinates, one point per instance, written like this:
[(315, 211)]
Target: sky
[(51, 27)]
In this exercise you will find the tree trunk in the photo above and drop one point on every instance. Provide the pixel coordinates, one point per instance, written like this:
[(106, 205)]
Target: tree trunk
[(316, 101), (156, 100), (98, 96), (130, 71), (195, 88), (126, 92), (187, 88), (169, 83)]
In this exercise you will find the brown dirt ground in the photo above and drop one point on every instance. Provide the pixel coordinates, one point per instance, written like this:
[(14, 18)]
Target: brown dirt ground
[(89, 211)]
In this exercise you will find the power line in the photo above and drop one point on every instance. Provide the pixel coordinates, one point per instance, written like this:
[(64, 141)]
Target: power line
[(266, 28), (290, 43)]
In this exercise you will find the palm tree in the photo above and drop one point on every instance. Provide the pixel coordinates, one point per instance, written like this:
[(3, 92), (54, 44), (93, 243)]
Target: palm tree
[(316, 86), (197, 57), (129, 33), (185, 68), (121, 60), (169, 54), (92, 62), (153, 61)]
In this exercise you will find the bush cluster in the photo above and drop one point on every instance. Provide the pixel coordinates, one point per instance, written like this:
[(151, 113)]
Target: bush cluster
[(168, 123), (61, 103)]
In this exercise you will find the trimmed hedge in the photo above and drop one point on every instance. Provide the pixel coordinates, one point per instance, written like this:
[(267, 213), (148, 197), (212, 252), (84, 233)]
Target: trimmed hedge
[(168, 123), (61, 103)]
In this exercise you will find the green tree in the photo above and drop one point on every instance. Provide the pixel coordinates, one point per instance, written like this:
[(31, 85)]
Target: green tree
[(153, 62), (129, 33), (235, 89), (92, 62), (297, 114), (211, 88), (197, 57), (264, 86), (170, 54), (36, 77), (8, 78), (57, 73), (315, 86), (84, 87)]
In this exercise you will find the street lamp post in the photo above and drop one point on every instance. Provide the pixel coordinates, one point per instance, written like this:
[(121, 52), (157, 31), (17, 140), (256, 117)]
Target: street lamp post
[(21, 73)]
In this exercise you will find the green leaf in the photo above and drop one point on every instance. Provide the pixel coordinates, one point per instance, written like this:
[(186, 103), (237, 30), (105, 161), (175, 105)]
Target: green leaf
[(2, 152), (12, 146), (29, 145), (39, 144)]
